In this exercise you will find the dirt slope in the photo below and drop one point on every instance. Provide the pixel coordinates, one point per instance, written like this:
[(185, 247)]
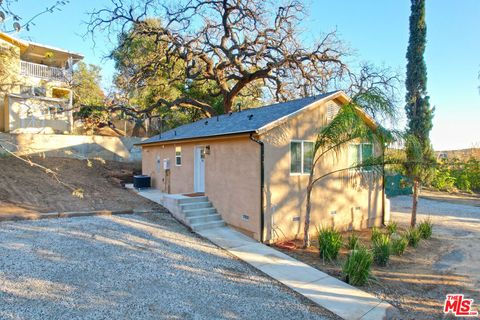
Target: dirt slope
[(22, 185)]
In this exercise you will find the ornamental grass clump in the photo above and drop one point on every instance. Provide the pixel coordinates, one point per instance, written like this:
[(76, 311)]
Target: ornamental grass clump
[(376, 233), (353, 241), (357, 267), (413, 236), (329, 243), (392, 227), (398, 244), (425, 228), (381, 250)]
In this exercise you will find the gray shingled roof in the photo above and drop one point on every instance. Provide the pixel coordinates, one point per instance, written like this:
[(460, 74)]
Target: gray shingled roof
[(246, 121)]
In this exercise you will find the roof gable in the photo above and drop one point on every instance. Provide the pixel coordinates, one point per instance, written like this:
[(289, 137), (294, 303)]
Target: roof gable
[(247, 121)]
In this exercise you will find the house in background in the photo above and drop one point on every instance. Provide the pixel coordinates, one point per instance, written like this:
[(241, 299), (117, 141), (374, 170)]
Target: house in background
[(254, 166), (35, 95)]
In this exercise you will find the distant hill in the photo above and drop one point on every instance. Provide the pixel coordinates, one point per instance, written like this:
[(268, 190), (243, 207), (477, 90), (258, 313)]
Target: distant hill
[(462, 154)]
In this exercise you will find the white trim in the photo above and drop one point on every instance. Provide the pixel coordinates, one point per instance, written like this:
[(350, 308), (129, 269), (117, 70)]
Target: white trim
[(180, 156), (196, 171)]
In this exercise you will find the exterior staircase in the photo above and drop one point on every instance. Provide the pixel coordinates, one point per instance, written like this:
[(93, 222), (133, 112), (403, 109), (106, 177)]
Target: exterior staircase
[(199, 213)]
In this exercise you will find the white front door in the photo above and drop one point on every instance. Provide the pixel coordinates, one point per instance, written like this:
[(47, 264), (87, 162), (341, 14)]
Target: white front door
[(199, 169)]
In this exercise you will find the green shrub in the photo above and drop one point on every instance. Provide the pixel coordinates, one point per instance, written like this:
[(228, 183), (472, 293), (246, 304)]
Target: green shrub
[(329, 243), (376, 233), (353, 241), (443, 180), (398, 244), (460, 174), (413, 236), (381, 250), (425, 228), (357, 267), (392, 227)]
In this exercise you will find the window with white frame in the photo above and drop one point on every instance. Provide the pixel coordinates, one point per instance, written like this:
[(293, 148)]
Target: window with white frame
[(301, 157), (358, 153), (178, 156)]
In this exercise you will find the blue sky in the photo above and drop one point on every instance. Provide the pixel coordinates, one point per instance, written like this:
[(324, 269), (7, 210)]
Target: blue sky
[(376, 30)]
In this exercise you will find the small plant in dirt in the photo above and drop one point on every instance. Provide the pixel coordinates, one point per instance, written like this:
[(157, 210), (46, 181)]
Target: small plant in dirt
[(392, 227), (413, 236), (329, 243), (357, 267), (353, 241), (398, 244), (376, 233), (425, 228), (381, 250)]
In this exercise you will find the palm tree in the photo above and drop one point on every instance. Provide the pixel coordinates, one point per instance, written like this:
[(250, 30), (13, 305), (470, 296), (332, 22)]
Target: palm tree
[(350, 124)]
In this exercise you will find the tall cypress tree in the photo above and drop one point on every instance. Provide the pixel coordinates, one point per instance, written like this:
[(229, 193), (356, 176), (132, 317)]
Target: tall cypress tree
[(419, 112)]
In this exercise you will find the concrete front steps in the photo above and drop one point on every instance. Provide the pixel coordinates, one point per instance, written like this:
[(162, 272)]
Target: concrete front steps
[(199, 213)]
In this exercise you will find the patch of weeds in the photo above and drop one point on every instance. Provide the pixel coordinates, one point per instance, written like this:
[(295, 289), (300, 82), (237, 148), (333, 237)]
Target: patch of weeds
[(381, 250), (4, 155), (329, 243), (357, 267), (425, 228), (413, 237)]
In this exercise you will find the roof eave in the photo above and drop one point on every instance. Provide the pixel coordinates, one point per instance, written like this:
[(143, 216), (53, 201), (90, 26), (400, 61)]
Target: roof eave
[(210, 137)]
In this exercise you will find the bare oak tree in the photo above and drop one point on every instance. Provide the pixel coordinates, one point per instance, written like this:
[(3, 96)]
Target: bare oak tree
[(8, 11), (231, 43)]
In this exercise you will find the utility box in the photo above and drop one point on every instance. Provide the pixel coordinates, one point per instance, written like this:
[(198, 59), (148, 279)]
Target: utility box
[(166, 164), (141, 182)]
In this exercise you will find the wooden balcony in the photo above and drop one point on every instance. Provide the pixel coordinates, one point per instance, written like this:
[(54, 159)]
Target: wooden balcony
[(36, 70)]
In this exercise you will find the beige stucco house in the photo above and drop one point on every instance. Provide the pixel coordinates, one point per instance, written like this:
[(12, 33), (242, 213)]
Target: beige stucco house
[(35, 94), (253, 166)]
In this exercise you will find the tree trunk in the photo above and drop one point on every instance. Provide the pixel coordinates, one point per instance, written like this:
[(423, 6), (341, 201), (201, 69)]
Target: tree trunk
[(416, 191), (227, 104), (306, 230)]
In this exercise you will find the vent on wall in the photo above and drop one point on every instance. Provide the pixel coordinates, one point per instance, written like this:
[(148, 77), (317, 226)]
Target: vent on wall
[(332, 110)]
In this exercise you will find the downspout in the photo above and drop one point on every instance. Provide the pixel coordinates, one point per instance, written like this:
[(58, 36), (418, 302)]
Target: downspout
[(262, 184)]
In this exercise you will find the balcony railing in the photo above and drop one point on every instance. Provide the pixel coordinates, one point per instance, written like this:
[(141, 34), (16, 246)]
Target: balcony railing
[(45, 72)]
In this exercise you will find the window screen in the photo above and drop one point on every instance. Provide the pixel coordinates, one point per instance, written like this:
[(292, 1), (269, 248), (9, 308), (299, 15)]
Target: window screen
[(307, 156), (296, 157)]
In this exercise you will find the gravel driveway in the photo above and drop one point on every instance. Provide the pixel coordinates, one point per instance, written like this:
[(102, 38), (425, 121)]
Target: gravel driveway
[(456, 224), (132, 267)]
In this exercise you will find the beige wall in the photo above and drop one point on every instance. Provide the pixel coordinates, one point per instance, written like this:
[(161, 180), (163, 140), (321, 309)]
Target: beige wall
[(9, 77), (357, 202), (74, 146), (232, 176), (36, 115)]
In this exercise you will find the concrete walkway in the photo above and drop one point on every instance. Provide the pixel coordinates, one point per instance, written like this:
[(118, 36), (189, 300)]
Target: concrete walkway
[(342, 299)]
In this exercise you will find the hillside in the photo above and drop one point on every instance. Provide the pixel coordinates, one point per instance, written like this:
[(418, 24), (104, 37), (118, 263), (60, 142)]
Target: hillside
[(463, 154), (30, 188)]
